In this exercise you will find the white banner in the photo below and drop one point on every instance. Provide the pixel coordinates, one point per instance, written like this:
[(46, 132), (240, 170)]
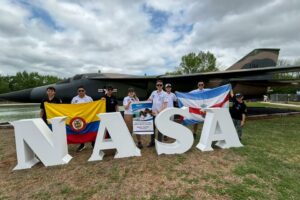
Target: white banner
[(142, 118)]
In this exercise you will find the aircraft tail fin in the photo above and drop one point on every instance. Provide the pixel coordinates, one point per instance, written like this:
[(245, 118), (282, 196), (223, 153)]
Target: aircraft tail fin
[(257, 58)]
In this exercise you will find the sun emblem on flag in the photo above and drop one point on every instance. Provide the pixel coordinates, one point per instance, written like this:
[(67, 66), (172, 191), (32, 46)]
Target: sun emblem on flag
[(203, 106), (77, 124)]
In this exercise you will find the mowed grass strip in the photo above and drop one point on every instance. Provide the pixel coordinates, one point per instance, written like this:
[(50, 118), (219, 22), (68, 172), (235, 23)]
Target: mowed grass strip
[(267, 167), (272, 166)]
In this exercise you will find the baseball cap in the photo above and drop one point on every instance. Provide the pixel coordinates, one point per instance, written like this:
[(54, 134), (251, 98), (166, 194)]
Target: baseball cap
[(238, 95), (168, 85)]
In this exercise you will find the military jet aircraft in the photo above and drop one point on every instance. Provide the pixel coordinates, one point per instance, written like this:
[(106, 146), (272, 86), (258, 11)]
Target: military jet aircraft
[(251, 76)]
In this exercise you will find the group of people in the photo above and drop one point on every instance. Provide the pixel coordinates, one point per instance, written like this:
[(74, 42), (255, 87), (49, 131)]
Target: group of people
[(160, 99), (81, 97)]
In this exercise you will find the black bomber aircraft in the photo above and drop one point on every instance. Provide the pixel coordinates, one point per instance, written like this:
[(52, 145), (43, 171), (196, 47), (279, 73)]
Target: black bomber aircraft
[(251, 75)]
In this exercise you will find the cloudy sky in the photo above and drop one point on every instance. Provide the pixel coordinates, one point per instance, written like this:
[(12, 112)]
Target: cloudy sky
[(64, 38)]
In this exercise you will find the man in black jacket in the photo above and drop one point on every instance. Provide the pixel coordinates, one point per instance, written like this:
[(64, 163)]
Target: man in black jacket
[(51, 98), (238, 112)]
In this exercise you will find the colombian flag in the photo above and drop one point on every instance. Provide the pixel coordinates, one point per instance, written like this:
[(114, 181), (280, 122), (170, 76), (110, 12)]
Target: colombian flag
[(82, 122)]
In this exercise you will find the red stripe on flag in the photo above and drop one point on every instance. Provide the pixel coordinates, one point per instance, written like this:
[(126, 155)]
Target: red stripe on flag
[(81, 138), (221, 104), (196, 111)]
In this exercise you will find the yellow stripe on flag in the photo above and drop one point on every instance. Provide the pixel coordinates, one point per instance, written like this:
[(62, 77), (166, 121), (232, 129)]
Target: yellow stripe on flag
[(88, 111)]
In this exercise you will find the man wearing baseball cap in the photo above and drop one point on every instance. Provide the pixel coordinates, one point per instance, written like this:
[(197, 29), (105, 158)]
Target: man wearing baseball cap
[(171, 99), (170, 95), (238, 112)]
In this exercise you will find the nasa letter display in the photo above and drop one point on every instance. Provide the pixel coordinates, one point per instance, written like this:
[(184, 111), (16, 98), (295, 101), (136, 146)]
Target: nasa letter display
[(142, 118)]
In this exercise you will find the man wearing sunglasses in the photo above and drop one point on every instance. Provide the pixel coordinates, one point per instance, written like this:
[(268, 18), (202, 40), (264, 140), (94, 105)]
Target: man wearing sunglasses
[(81, 98), (199, 89), (159, 101)]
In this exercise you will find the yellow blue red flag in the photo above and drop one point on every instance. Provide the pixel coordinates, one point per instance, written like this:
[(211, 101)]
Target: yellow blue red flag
[(82, 122)]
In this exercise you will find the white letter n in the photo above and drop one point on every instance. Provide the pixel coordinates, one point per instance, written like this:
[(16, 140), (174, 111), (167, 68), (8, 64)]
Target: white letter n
[(35, 142)]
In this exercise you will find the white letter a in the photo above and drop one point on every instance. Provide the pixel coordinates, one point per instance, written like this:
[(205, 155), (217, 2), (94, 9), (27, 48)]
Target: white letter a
[(218, 126), (120, 137)]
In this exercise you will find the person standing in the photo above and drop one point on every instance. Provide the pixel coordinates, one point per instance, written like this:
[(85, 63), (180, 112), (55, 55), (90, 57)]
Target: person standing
[(111, 100), (111, 103), (238, 112), (81, 98), (172, 99), (199, 89), (170, 95), (159, 101), (51, 98), (128, 113)]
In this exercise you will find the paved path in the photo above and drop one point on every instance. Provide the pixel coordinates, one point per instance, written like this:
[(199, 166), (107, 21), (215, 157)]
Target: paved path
[(282, 104), (19, 104)]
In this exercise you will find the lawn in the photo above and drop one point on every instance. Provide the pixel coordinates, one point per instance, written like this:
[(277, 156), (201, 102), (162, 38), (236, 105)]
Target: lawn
[(267, 167)]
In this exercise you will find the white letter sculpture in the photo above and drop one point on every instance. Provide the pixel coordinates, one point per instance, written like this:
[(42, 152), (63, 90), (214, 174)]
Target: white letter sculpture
[(35, 142), (184, 137), (218, 126), (120, 137)]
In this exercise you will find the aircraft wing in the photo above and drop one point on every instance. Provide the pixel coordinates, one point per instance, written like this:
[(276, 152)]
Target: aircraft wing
[(236, 73)]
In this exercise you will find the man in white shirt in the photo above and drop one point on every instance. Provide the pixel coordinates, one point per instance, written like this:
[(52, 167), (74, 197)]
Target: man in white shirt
[(171, 100), (159, 101), (170, 95), (199, 89), (81, 98)]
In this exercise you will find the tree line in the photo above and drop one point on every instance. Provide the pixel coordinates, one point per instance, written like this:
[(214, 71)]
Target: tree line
[(24, 80)]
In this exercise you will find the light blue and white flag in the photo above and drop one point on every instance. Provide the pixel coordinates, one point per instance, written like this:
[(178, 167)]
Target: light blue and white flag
[(196, 102)]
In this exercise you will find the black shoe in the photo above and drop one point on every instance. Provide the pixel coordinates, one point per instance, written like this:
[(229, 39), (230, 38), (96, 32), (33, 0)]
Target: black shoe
[(139, 145), (151, 144), (80, 148)]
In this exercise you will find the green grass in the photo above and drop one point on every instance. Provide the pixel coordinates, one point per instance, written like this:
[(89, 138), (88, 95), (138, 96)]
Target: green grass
[(272, 166), (294, 102), (267, 167)]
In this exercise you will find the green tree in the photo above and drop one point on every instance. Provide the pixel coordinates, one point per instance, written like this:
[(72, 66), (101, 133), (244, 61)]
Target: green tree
[(195, 63), (4, 84), (24, 80)]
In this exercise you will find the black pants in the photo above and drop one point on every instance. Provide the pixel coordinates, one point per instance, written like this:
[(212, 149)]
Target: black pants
[(159, 135)]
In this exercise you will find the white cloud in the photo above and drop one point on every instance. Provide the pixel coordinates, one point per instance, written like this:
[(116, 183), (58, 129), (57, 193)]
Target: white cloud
[(68, 37)]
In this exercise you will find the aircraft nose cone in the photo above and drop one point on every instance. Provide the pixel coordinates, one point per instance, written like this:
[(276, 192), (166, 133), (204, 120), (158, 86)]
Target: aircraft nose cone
[(19, 96)]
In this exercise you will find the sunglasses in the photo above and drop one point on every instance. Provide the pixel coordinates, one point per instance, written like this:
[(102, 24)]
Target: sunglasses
[(80, 90), (158, 84), (200, 84)]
